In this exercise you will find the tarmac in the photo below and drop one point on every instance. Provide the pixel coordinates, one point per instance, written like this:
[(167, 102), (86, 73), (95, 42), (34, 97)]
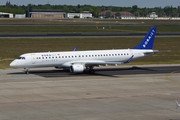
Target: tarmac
[(112, 93)]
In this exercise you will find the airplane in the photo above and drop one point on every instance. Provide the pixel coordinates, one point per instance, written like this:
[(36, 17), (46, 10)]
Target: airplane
[(177, 104), (80, 61)]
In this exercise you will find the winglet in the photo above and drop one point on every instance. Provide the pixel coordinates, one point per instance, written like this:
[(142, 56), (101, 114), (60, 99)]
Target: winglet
[(75, 48), (177, 104), (147, 42)]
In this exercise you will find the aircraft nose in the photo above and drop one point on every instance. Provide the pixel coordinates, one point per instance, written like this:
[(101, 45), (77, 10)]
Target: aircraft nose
[(13, 64)]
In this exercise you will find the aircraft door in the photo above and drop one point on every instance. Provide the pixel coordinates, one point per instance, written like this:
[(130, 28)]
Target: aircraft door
[(33, 58)]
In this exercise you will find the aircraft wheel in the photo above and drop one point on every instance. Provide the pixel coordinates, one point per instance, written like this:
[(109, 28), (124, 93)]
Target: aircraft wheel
[(92, 71), (26, 70)]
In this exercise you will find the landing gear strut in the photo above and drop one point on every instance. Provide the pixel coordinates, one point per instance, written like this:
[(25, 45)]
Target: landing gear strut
[(26, 70), (90, 69)]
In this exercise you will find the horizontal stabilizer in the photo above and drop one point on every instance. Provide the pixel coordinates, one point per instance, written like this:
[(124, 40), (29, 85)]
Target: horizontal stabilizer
[(153, 51)]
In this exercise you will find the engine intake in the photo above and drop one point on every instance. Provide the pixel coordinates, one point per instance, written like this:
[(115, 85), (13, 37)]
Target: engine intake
[(77, 68)]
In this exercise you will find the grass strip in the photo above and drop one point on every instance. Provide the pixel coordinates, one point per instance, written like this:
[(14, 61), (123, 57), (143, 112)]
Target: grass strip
[(88, 21), (76, 29)]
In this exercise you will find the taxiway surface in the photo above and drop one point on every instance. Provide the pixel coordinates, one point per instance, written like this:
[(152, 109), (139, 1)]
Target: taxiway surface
[(112, 93)]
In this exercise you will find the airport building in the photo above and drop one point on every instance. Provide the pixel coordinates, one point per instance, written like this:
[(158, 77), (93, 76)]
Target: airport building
[(53, 14), (6, 15), (111, 14), (152, 15), (19, 15), (79, 15)]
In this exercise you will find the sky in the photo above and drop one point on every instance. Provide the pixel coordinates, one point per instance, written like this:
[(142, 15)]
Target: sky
[(122, 3)]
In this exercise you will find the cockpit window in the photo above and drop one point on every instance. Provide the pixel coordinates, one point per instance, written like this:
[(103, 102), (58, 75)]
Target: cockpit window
[(21, 58)]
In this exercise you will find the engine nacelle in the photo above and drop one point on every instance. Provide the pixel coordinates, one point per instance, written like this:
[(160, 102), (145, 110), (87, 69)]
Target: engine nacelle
[(77, 68)]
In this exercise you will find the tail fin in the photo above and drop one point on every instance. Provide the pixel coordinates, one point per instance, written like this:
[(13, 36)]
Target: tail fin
[(147, 42), (177, 104), (75, 48)]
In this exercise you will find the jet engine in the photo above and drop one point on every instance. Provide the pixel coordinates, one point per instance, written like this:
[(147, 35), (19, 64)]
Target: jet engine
[(77, 68)]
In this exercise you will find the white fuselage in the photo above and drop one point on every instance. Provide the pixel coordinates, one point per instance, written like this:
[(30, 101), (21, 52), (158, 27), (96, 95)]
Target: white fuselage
[(87, 58)]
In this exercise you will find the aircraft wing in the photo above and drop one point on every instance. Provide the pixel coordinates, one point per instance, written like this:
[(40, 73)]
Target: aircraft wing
[(101, 63), (90, 63), (95, 62)]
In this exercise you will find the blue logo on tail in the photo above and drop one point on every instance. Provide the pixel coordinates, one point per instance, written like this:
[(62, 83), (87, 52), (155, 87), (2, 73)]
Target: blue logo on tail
[(147, 42)]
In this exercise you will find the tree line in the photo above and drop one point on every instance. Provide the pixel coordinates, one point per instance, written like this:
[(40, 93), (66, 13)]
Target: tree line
[(168, 11)]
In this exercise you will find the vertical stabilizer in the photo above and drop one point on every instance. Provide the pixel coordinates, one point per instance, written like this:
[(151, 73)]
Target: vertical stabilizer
[(147, 42), (74, 48)]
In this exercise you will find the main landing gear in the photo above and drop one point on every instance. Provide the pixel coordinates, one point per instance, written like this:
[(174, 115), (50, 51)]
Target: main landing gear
[(26, 70), (90, 69)]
